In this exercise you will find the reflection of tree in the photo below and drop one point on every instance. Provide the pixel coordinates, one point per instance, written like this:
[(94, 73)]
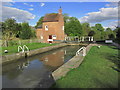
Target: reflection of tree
[(70, 52), (13, 73), (16, 69)]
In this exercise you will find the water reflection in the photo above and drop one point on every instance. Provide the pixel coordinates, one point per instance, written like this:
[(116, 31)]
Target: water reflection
[(54, 59), (27, 73)]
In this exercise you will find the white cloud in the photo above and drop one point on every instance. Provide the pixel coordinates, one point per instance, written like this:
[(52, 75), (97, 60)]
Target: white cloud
[(25, 4), (42, 4), (6, 1), (102, 15), (64, 0), (31, 9), (112, 0), (31, 5), (112, 4), (19, 15)]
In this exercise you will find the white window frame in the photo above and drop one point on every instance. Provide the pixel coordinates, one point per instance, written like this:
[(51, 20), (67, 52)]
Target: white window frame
[(41, 37), (63, 27), (46, 27), (54, 36)]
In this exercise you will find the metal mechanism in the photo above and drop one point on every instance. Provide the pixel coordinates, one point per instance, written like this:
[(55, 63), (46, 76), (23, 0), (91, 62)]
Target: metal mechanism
[(84, 51), (23, 48)]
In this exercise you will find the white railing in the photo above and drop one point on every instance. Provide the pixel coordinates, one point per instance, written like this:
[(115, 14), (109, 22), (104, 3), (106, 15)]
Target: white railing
[(23, 48), (84, 51), (20, 47)]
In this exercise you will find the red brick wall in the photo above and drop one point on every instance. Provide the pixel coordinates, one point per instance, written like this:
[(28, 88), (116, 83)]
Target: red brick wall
[(54, 28)]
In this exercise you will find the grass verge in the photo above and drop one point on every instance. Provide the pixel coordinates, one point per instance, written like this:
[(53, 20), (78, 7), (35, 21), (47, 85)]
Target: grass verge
[(98, 70), (31, 46)]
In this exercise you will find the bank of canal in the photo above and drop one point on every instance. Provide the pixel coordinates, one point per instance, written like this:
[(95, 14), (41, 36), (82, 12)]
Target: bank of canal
[(35, 70)]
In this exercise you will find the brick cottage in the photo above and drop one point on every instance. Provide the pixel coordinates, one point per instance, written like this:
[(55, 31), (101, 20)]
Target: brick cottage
[(52, 28)]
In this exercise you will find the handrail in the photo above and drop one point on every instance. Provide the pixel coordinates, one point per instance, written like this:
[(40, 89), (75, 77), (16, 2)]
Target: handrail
[(23, 48), (20, 47), (84, 51)]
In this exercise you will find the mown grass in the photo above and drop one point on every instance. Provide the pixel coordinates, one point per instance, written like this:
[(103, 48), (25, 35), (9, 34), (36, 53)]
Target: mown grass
[(31, 46), (98, 70)]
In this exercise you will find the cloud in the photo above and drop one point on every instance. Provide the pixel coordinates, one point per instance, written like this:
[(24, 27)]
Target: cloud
[(6, 1), (28, 4), (102, 15), (18, 14), (42, 4), (112, 4), (112, 0), (31, 9), (31, 5), (25, 4)]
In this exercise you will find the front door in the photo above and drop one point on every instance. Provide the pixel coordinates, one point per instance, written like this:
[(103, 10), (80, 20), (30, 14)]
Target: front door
[(50, 37)]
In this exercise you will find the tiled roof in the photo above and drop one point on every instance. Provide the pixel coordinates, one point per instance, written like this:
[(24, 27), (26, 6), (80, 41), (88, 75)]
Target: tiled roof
[(51, 17)]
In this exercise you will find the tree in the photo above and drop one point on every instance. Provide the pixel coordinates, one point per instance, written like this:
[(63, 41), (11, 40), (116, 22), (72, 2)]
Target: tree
[(19, 28), (111, 36), (9, 29), (118, 34), (39, 22), (26, 31), (86, 28), (99, 27), (109, 33), (97, 33), (91, 33), (66, 18), (73, 27)]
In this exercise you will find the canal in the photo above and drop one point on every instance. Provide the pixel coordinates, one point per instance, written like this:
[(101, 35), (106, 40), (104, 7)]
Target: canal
[(35, 71)]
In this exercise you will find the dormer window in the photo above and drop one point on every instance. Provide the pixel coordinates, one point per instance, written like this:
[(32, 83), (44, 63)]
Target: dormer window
[(62, 27), (46, 27)]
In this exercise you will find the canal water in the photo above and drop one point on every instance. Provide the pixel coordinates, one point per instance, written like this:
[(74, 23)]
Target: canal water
[(35, 71)]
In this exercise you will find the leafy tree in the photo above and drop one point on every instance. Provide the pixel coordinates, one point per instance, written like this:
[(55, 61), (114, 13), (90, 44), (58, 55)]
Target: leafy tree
[(109, 33), (86, 28), (97, 33), (91, 33), (9, 29), (99, 27), (73, 27), (118, 34), (39, 22), (26, 31), (19, 29), (111, 36), (66, 17)]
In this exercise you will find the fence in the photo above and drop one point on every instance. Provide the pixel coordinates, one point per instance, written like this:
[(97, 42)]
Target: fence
[(6, 43)]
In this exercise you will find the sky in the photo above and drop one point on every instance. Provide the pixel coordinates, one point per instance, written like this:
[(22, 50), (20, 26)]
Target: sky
[(104, 12)]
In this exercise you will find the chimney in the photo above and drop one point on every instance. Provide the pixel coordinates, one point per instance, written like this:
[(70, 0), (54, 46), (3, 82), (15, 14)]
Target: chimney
[(60, 10)]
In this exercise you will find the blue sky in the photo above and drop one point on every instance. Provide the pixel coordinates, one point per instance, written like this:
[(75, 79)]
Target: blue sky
[(32, 11)]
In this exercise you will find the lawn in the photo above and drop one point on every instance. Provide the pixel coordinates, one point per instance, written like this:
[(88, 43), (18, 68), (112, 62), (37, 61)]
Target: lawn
[(31, 46), (98, 70)]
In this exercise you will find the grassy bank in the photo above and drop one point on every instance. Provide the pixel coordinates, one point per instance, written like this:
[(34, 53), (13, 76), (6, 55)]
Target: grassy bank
[(98, 70), (31, 46)]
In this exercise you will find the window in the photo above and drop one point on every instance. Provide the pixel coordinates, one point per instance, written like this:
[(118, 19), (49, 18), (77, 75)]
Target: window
[(54, 36), (46, 27), (62, 27), (41, 37)]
